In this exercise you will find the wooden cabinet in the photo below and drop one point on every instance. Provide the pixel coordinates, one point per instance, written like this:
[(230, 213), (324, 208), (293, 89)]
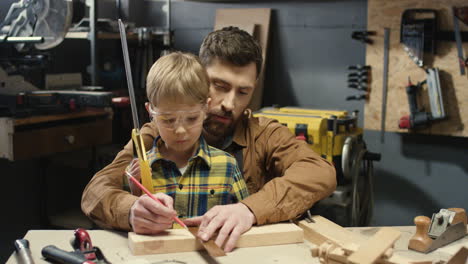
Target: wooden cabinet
[(39, 136)]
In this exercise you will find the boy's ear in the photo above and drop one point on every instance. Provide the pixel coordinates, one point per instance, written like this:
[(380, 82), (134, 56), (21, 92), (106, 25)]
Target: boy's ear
[(147, 105), (208, 102)]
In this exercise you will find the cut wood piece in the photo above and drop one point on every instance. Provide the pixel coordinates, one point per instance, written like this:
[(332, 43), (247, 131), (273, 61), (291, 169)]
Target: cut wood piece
[(322, 230), (461, 257), (210, 246), (374, 248), (335, 243), (181, 240)]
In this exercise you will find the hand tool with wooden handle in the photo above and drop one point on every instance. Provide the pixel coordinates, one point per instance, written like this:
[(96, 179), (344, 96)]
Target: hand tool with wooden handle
[(138, 144)]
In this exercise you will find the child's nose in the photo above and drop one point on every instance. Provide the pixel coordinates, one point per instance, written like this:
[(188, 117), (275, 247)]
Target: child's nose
[(180, 129)]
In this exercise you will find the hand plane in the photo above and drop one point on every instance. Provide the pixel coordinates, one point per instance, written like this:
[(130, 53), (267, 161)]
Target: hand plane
[(445, 227)]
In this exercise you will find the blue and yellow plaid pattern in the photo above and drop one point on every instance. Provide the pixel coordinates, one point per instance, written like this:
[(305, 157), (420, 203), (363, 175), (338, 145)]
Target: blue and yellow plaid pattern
[(212, 178)]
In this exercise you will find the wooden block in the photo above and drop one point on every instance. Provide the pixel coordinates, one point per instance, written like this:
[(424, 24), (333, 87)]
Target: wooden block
[(374, 248), (461, 257), (322, 230), (181, 240), (210, 245), (460, 216)]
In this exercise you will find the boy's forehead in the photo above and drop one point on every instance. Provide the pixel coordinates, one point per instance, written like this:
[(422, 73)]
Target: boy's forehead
[(173, 106)]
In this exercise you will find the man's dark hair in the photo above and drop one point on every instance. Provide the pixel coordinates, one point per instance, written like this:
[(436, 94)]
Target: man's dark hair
[(233, 45)]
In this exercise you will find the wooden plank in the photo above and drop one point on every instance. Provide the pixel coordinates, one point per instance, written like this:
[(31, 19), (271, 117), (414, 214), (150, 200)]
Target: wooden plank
[(322, 230), (461, 257), (260, 17), (181, 240), (382, 14), (209, 245), (375, 247)]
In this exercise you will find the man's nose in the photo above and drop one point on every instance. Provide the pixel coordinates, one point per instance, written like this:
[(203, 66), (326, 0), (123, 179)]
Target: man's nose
[(229, 101)]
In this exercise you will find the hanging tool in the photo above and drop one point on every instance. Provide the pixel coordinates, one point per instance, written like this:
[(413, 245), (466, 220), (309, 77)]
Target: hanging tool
[(356, 97), (138, 144), (385, 83), (418, 118), (418, 35), (358, 79), (363, 36), (458, 39)]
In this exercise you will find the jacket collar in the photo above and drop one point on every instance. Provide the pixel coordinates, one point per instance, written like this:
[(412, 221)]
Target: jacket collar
[(202, 152)]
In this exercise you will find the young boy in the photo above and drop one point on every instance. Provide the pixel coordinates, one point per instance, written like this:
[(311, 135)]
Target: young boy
[(195, 175)]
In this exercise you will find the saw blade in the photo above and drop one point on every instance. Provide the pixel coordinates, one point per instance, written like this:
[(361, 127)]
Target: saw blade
[(54, 20)]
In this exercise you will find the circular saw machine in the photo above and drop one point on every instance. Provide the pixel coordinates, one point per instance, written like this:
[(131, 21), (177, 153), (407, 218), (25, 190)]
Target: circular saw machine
[(42, 23)]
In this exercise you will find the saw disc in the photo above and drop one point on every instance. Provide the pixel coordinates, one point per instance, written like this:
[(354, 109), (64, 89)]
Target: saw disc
[(54, 19)]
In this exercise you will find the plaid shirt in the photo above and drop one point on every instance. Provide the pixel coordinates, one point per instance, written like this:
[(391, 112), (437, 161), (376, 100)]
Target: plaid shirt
[(212, 178)]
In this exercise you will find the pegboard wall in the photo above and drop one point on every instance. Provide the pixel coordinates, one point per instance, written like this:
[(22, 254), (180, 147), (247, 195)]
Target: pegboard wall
[(387, 14)]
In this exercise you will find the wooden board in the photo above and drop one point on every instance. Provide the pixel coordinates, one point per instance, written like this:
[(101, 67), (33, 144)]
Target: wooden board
[(370, 251), (210, 245), (244, 18), (383, 14), (322, 230), (181, 240)]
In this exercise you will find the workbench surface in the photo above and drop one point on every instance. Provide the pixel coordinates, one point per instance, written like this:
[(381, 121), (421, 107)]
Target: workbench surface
[(115, 248)]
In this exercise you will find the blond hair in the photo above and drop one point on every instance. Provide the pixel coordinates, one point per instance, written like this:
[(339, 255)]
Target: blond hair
[(178, 77)]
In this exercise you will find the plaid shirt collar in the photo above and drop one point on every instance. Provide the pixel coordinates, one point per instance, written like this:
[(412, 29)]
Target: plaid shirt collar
[(202, 151)]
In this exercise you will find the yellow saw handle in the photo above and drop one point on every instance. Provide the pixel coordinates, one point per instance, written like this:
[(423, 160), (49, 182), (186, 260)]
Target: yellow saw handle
[(145, 170)]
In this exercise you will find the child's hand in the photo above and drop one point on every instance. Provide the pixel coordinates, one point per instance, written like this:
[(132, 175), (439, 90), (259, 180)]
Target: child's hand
[(133, 170), (150, 217)]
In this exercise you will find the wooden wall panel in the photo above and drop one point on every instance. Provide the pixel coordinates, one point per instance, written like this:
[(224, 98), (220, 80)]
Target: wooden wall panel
[(381, 14)]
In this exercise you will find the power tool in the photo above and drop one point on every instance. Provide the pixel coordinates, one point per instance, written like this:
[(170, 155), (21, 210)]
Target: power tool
[(335, 135), (419, 118)]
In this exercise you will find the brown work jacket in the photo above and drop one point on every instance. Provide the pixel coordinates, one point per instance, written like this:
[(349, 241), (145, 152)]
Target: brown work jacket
[(284, 176)]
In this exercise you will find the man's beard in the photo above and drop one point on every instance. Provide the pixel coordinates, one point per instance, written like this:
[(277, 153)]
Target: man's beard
[(216, 128)]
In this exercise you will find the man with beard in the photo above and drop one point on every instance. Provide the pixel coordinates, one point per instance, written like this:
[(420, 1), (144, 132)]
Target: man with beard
[(283, 175)]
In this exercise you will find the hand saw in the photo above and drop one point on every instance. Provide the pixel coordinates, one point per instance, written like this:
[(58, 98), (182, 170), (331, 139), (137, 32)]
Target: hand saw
[(138, 144)]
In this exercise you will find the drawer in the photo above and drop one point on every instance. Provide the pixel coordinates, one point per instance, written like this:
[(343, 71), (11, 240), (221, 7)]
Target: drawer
[(61, 138)]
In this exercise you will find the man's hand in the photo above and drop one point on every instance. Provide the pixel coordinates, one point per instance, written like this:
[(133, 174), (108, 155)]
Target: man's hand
[(150, 217), (232, 221)]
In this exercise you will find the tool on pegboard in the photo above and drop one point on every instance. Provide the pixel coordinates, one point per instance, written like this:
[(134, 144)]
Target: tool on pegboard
[(462, 62), (417, 116), (363, 36), (384, 83), (358, 79), (418, 31), (419, 34)]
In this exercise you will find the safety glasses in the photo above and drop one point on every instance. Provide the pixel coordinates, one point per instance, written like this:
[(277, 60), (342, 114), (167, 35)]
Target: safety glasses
[(172, 120)]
